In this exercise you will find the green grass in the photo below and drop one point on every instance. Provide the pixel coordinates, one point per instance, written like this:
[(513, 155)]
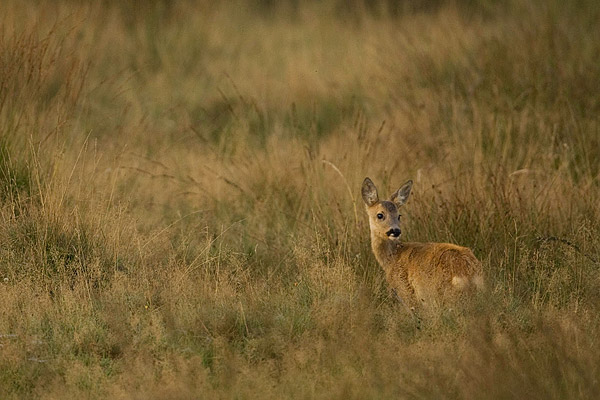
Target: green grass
[(180, 209)]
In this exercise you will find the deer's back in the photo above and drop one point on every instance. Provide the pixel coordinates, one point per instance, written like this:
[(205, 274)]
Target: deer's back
[(434, 269)]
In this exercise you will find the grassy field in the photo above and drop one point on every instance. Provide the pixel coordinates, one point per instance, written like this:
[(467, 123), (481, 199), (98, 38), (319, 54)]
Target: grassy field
[(180, 211)]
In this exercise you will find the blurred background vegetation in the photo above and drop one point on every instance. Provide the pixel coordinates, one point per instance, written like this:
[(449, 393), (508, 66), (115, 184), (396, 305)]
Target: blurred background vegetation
[(180, 209)]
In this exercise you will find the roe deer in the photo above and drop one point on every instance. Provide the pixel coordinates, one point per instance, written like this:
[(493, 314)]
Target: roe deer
[(416, 272)]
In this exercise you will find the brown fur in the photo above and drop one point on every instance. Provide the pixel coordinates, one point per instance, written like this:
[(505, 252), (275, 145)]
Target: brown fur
[(419, 273)]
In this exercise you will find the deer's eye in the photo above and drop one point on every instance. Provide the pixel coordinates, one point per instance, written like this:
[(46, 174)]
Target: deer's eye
[(399, 217), (380, 216)]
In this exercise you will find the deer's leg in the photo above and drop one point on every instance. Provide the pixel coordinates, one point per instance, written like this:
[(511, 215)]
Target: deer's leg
[(405, 298)]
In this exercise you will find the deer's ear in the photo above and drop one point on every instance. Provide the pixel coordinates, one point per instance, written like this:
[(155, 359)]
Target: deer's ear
[(402, 194), (369, 192)]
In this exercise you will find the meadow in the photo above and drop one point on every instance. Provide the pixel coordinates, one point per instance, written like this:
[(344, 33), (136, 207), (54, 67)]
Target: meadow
[(180, 210)]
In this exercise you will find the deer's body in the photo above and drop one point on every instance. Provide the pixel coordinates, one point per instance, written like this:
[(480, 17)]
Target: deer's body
[(419, 273)]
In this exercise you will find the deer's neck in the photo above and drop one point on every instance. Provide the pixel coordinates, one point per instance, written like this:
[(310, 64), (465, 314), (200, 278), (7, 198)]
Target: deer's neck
[(386, 251)]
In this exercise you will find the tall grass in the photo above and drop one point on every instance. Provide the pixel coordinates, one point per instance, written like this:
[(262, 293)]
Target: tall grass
[(180, 213)]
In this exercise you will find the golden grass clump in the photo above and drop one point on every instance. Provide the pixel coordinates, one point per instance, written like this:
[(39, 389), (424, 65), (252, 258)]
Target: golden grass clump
[(180, 197)]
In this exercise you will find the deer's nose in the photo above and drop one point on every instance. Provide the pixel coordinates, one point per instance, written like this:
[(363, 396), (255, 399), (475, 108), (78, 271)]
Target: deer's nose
[(393, 232)]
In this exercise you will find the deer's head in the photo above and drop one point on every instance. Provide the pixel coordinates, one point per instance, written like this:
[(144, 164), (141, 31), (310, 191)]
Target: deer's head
[(384, 217)]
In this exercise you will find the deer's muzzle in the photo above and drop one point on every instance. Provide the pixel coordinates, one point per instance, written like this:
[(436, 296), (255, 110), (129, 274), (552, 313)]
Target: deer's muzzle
[(393, 232)]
